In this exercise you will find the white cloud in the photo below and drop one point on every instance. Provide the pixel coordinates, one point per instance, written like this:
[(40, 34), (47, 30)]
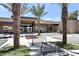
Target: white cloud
[(57, 19), (48, 19), (53, 19), (78, 17)]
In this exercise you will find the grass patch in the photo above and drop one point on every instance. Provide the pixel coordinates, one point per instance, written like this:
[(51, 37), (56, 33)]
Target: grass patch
[(10, 51), (66, 46)]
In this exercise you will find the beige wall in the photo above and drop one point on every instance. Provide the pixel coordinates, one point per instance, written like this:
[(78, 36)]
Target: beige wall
[(77, 25), (71, 26)]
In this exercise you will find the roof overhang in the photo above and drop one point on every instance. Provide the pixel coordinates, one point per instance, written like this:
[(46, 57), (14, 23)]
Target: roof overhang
[(28, 20)]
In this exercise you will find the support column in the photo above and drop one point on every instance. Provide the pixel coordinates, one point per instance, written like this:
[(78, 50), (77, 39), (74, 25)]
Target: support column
[(33, 26)]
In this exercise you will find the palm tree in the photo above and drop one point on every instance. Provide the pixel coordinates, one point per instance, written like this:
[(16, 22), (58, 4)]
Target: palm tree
[(16, 14), (64, 17), (73, 15), (17, 11), (38, 11)]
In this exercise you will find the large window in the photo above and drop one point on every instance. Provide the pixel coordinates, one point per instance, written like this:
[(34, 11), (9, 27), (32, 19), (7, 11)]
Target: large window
[(7, 28)]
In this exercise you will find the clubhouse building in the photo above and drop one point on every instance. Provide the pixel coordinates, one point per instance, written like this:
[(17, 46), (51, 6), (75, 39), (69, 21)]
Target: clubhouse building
[(30, 25)]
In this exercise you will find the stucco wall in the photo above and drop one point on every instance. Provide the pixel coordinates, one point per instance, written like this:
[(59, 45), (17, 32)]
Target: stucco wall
[(78, 26), (71, 26)]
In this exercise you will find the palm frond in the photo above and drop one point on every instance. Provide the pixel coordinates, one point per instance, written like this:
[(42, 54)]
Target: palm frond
[(34, 10), (44, 14), (23, 9), (38, 11), (7, 6)]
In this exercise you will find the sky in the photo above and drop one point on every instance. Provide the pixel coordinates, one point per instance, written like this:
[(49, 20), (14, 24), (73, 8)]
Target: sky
[(54, 11)]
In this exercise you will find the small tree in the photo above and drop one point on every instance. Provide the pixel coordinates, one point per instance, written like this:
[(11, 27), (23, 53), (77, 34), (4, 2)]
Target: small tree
[(73, 15)]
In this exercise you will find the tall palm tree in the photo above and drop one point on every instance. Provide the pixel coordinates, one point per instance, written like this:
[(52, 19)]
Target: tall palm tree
[(64, 17), (16, 14), (38, 11), (17, 11)]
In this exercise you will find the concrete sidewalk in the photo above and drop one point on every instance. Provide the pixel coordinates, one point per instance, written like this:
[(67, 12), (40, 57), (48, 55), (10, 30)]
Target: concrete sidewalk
[(36, 48), (9, 42)]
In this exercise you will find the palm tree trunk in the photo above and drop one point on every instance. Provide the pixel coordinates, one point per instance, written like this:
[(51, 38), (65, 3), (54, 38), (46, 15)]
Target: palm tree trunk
[(16, 32), (16, 14), (64, 22), (38, 26)]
